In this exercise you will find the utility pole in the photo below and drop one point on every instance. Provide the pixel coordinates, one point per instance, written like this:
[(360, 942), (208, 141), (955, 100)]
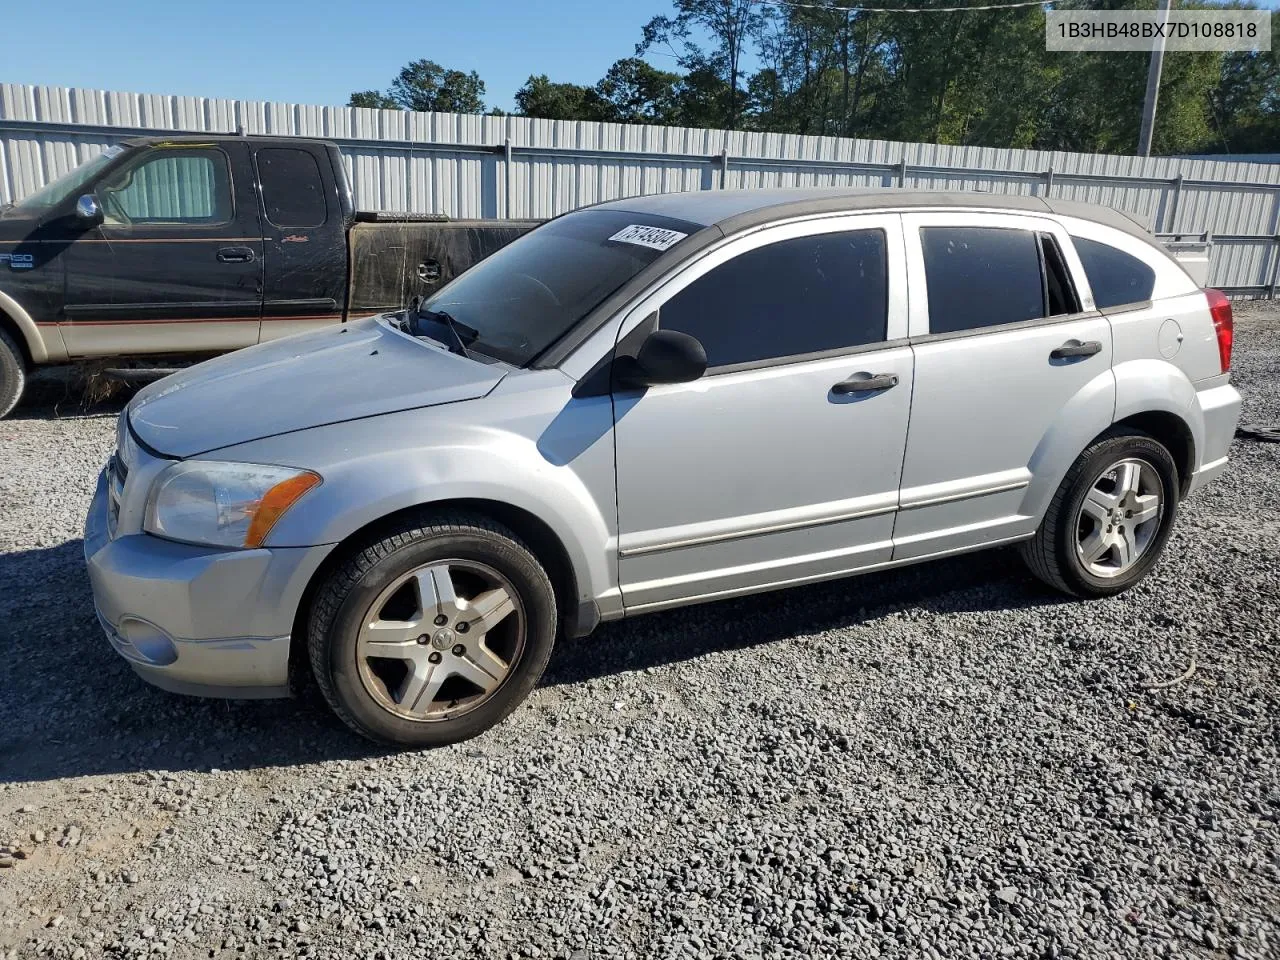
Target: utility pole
[(1153, 86)]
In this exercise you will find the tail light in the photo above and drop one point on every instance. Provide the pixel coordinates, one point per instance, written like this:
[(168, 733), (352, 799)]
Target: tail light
[(1220, 310)]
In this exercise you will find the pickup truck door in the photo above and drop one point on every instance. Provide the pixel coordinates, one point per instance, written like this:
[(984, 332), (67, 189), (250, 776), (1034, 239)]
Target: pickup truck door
[(176, 266), (304, 238)]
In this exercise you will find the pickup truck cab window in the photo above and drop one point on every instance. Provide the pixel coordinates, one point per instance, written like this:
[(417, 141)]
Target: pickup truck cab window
[(1115, 276), (184, 187), (530, 293), (292, 187), (804, 295)]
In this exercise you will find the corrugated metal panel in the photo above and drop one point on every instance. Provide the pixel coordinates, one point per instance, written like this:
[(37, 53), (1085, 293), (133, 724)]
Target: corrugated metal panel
[(455, 164)]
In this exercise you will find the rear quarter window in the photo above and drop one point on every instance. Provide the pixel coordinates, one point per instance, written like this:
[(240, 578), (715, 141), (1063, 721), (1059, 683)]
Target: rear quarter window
[(1116, 277)]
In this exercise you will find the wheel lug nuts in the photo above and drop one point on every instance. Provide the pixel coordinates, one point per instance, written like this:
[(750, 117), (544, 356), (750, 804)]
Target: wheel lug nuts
[(459, 650), (434, 658), (424, 640), (462, 626), (441, 620)]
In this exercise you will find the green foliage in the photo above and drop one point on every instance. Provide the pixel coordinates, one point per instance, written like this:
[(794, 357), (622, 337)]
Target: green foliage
[(425, 85), (978, 77), (372, 98)]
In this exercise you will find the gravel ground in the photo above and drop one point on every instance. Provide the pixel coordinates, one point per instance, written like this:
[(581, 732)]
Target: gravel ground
[(947, 761)]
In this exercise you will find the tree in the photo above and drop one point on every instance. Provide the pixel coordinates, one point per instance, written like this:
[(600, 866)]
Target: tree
[(540, 97), (425, 85), (372, 98), (731, 24), (638, 92)]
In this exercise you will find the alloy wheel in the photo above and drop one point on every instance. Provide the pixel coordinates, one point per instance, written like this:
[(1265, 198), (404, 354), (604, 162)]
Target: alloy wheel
[(1119, 518), (441, 640)]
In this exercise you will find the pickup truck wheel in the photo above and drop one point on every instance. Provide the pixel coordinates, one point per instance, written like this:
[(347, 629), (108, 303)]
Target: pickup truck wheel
[(1108, 523), (433, 633), (13, 373)]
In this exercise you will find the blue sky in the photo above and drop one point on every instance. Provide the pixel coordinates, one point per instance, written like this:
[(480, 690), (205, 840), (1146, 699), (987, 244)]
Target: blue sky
[(317, 51), (312, 51)]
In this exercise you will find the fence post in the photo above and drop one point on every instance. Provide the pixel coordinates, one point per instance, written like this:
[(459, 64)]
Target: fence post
[(1275, 267), (507, 174), (1171, 214), (724, 168), (1048, 182), (902, 172)]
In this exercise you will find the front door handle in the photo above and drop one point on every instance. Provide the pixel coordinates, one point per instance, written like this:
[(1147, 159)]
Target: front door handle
[(864, 382), (235, 255), (1074, 348)]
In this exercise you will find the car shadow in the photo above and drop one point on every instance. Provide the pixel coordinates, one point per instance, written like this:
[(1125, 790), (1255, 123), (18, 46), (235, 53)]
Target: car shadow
[(70, 707)]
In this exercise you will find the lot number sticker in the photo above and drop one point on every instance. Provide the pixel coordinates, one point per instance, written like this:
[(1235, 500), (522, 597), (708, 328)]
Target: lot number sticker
[(653, 237)]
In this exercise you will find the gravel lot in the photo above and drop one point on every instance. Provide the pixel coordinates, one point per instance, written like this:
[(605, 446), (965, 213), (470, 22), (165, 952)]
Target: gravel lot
[(944, 762)]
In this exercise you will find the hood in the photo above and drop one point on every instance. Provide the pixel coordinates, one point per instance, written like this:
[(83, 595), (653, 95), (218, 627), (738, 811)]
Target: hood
[(342, 373)]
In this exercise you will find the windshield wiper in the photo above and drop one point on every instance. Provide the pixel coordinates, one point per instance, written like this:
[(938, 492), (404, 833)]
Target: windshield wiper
[(462, 334)]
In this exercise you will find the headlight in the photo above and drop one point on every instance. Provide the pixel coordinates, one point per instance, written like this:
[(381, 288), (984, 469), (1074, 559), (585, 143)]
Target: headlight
[(223, 504)]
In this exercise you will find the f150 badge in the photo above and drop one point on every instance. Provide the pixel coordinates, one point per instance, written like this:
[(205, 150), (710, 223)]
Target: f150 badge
[(19, 261)]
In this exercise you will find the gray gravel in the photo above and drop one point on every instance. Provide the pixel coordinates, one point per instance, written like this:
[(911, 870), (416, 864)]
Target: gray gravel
[(943, 762)]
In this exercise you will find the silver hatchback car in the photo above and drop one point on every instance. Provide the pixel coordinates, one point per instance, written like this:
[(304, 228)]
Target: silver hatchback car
[(649, 403)]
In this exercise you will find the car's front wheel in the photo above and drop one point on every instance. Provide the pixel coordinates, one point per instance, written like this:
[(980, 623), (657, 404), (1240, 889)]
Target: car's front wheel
[(1110, 518), (433, 633)]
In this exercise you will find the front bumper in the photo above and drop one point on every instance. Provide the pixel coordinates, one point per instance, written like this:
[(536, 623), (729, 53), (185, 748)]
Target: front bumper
[(197, 620)]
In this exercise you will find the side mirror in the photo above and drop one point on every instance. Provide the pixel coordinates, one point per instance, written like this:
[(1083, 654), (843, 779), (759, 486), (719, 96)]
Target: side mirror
[(666, 356), (89, 210)]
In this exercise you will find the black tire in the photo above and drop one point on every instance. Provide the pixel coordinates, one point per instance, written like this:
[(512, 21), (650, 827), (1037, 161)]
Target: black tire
[(1051, 554), (13, 373), (346, 596)]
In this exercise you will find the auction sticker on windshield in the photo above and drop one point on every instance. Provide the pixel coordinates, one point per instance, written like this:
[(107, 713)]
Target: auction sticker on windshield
[(654, 237)]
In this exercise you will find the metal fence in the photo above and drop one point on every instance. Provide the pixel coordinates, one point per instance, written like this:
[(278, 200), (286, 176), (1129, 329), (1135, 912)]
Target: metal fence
[(479, 166)]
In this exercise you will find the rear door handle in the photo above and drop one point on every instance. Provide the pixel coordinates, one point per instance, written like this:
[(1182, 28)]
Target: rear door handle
[(1074, 348), (864, 382), (235, 255)]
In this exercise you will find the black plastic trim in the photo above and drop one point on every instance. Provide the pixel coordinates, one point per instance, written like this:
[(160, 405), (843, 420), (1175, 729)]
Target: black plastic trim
[(1000, 327)]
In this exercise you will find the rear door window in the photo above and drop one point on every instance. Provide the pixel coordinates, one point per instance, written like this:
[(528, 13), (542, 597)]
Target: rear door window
[(292, 187), (801, 296), (981, 277), (1115, 277)]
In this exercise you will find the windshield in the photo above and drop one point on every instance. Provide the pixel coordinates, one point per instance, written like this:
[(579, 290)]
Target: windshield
[(68, 185), (531, 292)]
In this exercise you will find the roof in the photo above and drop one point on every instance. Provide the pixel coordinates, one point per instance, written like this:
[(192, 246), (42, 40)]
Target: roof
[(733, 210)]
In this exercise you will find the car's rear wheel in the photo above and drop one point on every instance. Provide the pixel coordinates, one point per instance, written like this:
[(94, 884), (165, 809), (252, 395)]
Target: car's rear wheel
[(432, 633), (1110, 518), (13, 373)]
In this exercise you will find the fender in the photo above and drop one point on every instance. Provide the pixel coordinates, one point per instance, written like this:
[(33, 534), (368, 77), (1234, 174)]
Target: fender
[(1144, 386), (1129, 388), (1088, 413), (375, 467), (41, 350)]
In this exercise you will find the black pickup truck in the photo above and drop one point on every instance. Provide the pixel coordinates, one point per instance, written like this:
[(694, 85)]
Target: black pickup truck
[(201, 244)]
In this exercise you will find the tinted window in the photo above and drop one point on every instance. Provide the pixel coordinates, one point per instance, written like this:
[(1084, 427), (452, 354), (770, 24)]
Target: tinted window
[(530, 293), (193, 186), (1059, 290), (1115, 277), (980, 277), (789, 298), (292, 188)]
